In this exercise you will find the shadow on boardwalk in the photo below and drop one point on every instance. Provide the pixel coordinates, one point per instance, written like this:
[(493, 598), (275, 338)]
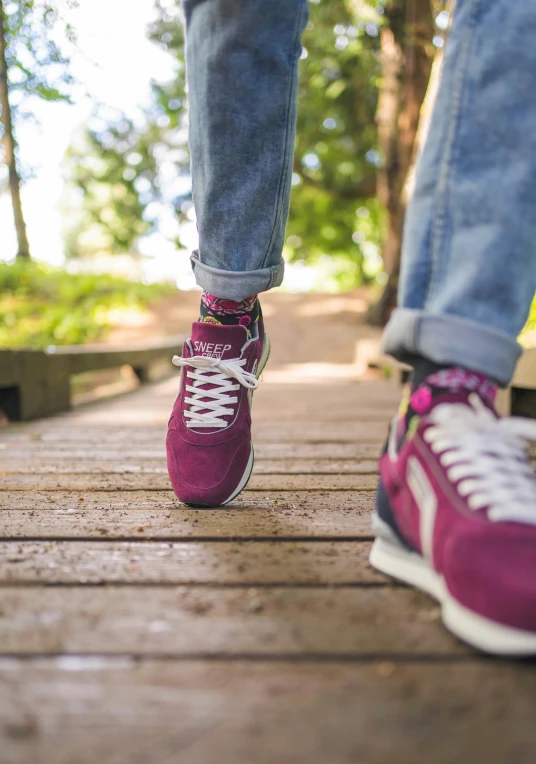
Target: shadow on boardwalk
[(133, 629)]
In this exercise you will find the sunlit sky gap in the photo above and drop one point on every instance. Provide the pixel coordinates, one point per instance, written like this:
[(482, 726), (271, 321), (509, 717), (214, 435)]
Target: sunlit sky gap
[(114, 64)]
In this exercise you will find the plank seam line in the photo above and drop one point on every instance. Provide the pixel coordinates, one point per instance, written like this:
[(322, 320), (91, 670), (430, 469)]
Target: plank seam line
[(31, 584), (313, 657), (324, 473), (184, 540), (51, 456), (292, 489)]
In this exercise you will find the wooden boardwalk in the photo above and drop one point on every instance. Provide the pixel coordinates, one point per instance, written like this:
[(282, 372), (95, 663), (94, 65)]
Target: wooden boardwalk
[(137, 631)]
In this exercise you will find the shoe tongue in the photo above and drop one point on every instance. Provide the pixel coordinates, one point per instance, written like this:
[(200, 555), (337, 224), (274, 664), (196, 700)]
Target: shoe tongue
[(218, 340)]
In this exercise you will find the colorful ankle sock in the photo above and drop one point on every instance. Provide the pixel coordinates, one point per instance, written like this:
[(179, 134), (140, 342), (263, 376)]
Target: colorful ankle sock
[(218, 310), (429, 380)]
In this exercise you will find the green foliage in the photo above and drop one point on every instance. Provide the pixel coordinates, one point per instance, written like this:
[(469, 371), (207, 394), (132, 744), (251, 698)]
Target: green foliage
[(38, 40), (334, 212), (113, 168), (531, 321), (333, 209), (126, 171), (36, 60), (527, 337), (41, 306)]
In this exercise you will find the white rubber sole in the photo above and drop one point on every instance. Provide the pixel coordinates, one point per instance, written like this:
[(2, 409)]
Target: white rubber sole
[(249, 467), (265, 355), (245, 478), (390, 557)]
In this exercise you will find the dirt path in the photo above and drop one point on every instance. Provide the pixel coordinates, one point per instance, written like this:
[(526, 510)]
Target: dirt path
[(304, 329)]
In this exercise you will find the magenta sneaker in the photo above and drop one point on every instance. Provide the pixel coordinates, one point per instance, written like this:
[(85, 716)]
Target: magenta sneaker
[(209, 448), (456, 517)]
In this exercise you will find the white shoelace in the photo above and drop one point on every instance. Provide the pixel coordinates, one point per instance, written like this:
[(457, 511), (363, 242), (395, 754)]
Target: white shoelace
[(488, 457), (207, 407)]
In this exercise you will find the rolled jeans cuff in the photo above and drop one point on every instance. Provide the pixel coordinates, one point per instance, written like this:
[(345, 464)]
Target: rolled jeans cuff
[(236, 285), (451, 340)]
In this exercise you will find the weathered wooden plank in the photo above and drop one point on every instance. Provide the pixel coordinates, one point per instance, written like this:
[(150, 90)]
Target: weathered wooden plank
[(281, 519), (57, 428), (297, 410), (160, 481), (160, 501), (119, 465), (309, 431), (115, 710), (359, 396), (188, 622), (246, 562), (35, 452)]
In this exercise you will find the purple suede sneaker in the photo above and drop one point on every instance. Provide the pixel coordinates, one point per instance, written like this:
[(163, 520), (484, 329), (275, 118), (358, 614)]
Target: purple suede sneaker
[(209, 448), (456, 517)]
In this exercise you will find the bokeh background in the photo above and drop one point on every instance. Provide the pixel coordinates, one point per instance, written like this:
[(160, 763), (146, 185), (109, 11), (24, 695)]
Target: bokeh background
[(96, 215)]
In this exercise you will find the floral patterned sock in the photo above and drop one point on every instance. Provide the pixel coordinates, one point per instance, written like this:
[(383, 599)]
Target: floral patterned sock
[(218, 310), (428, 381)]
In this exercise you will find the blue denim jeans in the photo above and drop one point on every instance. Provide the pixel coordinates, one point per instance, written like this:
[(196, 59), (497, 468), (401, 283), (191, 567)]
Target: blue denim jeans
[(242, 68), (469, 251)]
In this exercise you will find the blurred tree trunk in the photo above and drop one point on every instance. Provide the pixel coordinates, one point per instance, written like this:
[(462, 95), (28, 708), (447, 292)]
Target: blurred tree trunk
[(9, 146), (407, 57)]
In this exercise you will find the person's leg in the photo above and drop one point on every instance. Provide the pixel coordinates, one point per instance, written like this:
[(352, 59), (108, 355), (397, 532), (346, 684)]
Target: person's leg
[(456, 504), (469, 253), (242, 63), (242, 70)]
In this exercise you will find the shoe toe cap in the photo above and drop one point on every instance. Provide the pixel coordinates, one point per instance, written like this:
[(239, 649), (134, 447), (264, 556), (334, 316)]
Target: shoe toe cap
[(206, 475), (493, 573)]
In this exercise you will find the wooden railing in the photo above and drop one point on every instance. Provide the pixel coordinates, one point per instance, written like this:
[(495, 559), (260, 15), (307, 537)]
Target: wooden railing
[(37, 383)]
